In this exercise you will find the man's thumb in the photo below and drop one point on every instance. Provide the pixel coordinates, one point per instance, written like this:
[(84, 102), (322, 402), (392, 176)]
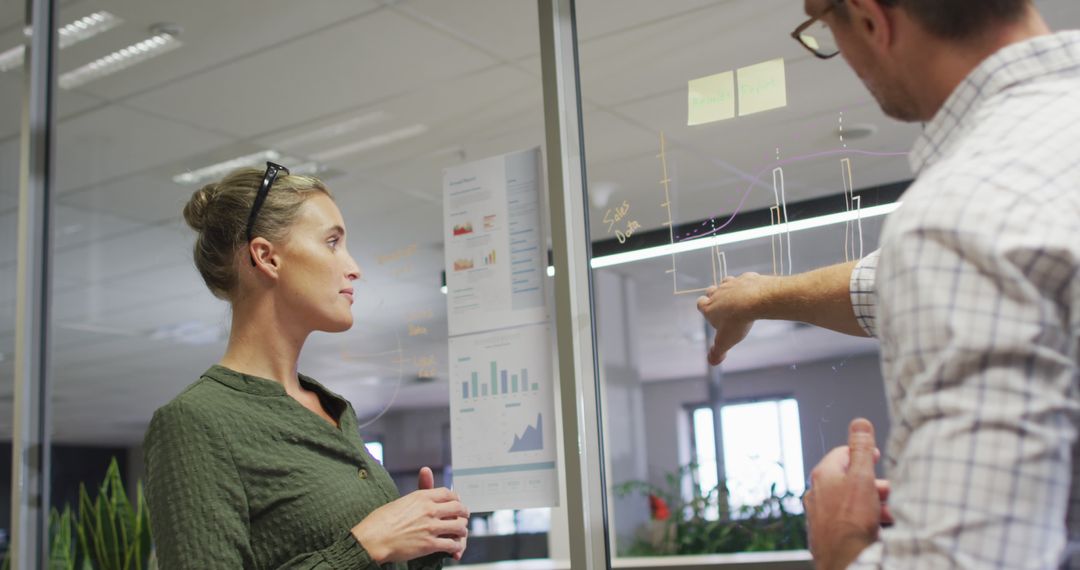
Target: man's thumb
[(861, 445)]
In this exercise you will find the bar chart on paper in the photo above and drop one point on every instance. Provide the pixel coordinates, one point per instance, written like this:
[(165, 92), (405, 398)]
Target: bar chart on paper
[(502, 427)]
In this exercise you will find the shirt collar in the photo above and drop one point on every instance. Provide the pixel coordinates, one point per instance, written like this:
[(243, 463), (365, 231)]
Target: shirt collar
[(261, 386), (1014, 64)]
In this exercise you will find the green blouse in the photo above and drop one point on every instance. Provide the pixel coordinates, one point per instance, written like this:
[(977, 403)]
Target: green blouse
[(240, 475)]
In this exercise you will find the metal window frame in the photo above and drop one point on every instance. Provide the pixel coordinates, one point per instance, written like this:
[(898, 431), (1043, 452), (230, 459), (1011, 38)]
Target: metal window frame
[(31, 441), (579, 375)]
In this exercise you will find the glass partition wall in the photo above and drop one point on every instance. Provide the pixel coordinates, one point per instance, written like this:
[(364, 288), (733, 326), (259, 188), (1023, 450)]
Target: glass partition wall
[(12, 23), (374, 98), (714, 145), (717, 145)]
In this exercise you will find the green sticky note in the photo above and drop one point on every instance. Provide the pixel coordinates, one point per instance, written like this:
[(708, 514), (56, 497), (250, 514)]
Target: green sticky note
[(711, 99), (762, 87)]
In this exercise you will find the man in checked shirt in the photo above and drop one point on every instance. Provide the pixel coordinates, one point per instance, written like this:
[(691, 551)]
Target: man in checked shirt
[(974, 294)]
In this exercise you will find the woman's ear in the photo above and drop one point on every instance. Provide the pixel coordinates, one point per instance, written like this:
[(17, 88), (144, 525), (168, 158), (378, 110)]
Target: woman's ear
[(264, 256)]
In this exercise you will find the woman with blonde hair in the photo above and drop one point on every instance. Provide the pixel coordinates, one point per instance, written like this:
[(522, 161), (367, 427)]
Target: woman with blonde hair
[(255, 465)]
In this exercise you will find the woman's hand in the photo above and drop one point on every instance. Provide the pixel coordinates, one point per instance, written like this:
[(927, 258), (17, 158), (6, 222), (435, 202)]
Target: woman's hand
[(421, 523), (426, 480)]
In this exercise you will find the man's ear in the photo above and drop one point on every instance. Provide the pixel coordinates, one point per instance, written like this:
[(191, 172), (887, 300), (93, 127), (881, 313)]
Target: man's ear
[(873, 21), (263, 253)]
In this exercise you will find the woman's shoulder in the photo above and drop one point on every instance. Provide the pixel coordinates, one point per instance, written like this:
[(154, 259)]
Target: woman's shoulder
[(196, 406)]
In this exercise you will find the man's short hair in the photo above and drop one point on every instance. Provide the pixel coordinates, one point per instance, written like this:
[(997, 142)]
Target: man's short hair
[(960, 19)]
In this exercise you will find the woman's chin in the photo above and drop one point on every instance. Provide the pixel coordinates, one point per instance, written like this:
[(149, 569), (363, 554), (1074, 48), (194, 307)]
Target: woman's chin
[(337, 326)]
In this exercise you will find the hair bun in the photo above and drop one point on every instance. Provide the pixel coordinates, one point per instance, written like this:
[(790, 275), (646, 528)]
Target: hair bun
[(198, 207)]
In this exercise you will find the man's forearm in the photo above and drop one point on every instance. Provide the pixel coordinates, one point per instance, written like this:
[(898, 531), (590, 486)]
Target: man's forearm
[(821, 297)]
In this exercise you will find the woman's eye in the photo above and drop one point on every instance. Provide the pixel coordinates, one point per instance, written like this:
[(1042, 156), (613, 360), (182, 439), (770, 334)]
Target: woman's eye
[(333, 242)]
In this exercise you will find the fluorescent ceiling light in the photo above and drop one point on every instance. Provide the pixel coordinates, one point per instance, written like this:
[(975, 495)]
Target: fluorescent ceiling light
[(12, 58), (87, 27), (82, 29), (256, 160), (220, 169), (120, 60), (334, 130), (370, 143), (745, 235)]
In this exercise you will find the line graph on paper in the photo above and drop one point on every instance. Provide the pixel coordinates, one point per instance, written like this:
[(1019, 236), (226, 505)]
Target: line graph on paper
[(780, 224)]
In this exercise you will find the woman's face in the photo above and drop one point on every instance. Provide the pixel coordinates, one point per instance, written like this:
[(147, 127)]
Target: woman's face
[(316, 271)]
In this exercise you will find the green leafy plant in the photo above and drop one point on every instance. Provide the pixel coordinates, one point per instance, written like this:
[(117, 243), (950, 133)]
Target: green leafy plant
[(109, 533), (61, 542), (114, 534), (766, 526)]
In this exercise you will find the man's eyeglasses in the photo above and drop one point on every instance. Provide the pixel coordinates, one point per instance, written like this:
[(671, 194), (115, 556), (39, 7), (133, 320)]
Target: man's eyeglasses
[(271, 174), (816, 36)]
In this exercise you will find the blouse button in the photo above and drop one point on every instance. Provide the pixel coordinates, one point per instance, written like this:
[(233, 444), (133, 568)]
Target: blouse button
[(363, 473)]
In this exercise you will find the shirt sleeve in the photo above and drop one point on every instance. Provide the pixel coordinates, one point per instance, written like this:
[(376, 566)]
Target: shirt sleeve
[(863, 289), (198, 507), (981, 446), (345, 554)]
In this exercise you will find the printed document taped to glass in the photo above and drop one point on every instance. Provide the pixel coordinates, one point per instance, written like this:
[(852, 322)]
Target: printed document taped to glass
[(502, 381)]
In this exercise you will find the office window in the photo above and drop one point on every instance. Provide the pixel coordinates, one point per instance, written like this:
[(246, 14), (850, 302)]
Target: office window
[(511, 521), (762, 450), (375, 448)]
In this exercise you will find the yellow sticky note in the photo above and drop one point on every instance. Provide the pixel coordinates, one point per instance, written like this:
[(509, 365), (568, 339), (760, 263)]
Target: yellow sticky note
[(762, 87), (711, 99)]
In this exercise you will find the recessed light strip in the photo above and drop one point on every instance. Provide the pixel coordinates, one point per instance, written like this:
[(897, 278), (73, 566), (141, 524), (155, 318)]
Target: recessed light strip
[(740, 236), (220, 169), (80, 30), (119, 60), (87, 27)]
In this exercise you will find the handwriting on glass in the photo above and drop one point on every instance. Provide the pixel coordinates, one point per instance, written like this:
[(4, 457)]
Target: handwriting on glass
[(615, 216), (427, 367)]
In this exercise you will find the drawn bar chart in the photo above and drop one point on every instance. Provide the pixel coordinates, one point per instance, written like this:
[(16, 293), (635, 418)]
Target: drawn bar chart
[(719, 260), (853, 233), (781, 241)]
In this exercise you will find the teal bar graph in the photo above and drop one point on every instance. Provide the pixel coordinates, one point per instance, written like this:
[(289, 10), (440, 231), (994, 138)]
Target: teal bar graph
[(502, 383)]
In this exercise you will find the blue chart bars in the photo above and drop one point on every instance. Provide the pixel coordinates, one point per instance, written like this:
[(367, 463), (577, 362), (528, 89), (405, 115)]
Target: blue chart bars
[(532, 439), (501, 382)]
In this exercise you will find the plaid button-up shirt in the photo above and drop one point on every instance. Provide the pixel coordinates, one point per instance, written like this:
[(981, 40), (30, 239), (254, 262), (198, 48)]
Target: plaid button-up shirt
[(975, 296)]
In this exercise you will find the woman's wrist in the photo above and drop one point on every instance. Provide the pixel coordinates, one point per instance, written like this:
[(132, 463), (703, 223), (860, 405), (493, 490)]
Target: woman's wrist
[(369, 543)]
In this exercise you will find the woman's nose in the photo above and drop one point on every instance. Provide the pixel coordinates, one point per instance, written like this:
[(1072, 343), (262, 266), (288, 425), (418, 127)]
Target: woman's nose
[(353, 270)]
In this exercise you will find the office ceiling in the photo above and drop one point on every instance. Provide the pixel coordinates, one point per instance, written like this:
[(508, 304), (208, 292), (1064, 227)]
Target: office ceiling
[(386, 94)]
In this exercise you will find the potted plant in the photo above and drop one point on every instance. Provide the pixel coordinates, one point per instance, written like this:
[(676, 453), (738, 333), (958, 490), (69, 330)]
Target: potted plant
[(109, 533), (703, 524)]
